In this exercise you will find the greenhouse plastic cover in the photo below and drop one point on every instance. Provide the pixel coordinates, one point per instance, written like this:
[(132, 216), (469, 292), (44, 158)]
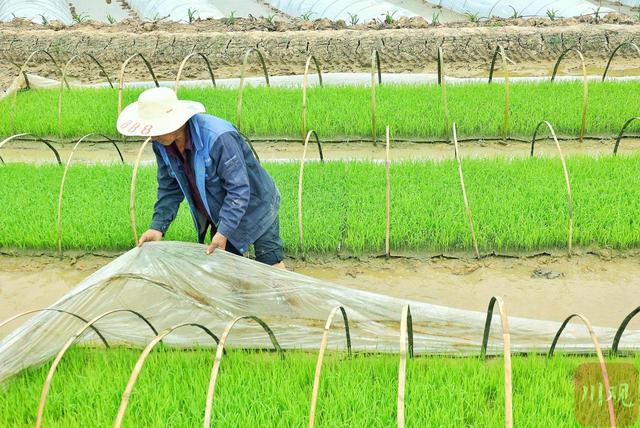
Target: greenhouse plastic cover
[(503, 8), (34, 10), (366, 10), (171, 283), (174, 10)]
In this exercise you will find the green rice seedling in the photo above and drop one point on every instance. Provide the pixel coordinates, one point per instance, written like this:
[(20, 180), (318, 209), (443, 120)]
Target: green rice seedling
[(258, 388), (414, 111)]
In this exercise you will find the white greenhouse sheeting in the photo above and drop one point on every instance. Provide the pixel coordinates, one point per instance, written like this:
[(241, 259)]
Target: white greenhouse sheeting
[(174, 10), (503, 8), (630, 3), (171, 283), (366, 10), (33, 10)]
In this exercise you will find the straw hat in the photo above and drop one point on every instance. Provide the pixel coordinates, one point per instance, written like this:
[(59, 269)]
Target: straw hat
[(157, 112)]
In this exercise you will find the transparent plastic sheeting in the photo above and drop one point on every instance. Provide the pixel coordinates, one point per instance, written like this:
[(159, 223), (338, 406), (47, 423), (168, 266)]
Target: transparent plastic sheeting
[(505, 8), (366, 10), (34, 10), (174, 10), (172, 283)]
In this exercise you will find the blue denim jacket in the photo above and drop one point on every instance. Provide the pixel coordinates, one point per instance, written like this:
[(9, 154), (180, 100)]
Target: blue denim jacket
[(241, 198)]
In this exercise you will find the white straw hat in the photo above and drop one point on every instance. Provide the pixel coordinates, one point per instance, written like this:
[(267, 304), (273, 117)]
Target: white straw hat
[(157, 112)]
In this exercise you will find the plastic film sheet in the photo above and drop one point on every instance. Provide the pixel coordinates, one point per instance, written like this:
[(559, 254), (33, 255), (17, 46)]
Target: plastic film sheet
[(175, 10), (172, 283), (365, 10), (505, 8), (35, 10)]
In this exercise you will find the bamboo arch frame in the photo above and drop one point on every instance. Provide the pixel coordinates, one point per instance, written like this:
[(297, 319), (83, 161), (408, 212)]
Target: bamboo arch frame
[(323, 346), (443, 86), (615, 51), (219, 353), (305, 84), (506, 339), (64, 177), (241, 85), (585, 86), (63, 79), (467, 208), (603, 366), (300, 180), (621, 329), (406, 341), (45, 142), (64, 75), (143, 356), (184, 62), (564, 170), (375, 62), (67, 345), (62, 311), (500, 51), (621, 133), (121, 76), (132, 195), (387, 173)]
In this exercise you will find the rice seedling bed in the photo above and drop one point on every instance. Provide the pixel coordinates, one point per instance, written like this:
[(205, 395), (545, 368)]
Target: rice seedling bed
[(260, 389), (517, 205), (412, 111)]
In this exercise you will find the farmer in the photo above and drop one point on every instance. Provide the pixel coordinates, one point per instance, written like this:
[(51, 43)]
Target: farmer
[(205, 159)]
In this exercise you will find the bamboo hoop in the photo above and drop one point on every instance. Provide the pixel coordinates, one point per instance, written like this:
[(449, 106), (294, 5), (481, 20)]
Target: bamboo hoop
[(443, 85), (506, 339), (603, 366), (323, 346), (64, 177), (467, 208), (62, 311), (143, 356), (23, 72), (620, 46), (219, 353), (500, 50), (305, 84), (585, 86), (566, 175), (67, 345), (241, 85), (406, 341), (621, 133), (387, 168), (375, 62), (621, 329), (300, 180), (121, 76), (132, 195), (184, 62), (64, 75), (45, 142)]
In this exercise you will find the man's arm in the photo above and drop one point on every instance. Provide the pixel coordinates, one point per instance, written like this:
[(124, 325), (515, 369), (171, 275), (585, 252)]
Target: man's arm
[(232, 170), (169, 197)]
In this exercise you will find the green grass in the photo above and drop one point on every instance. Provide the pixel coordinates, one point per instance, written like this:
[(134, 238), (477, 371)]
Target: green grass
[(412, 111), (517, 204), (259, 389)]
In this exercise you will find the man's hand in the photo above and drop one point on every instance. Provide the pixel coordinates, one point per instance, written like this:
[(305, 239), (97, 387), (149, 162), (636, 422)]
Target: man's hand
[(150, 235), (218, 241)]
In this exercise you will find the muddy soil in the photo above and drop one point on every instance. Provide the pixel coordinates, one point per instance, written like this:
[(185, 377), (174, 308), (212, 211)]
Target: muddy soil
[(533, 44), (282, 151), (602, 287)]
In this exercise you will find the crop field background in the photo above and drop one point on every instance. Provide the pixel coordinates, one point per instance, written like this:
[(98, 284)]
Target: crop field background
[(413, 111), (355, 392), (517, 204)]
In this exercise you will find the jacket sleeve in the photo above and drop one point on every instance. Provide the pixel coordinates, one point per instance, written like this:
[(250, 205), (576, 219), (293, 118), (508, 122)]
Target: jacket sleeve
[(232, 170), (169, 196)]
